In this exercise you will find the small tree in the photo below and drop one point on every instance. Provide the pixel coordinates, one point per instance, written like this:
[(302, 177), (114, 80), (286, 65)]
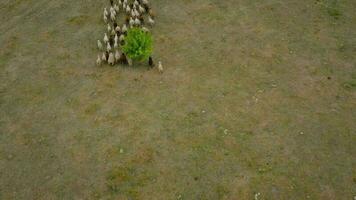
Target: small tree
[(138, 44)]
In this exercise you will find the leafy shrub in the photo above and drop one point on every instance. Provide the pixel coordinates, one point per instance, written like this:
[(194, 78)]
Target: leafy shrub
[(138, 44)]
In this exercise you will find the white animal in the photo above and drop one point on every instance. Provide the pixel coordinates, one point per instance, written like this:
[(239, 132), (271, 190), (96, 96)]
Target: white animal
[(105, 19), (116, 38), (122, 37), (108, 47), (145, 2), (103, 58), (132, 22), (137, 13), (128, 9), (116, 45), (106, 39), (117, 55), (133, 14), (100, 45), (109, 28), (137, 22), (120, 3), (118, 29), (111, 59), (141, 9), (145, 29), (160, 67), (106, 12), (125, 1), (117, 8), (113, 32), (124, 6), (151, 21), (112, 16), (98, 61), (136, 3), (112, 9), (124, 28)]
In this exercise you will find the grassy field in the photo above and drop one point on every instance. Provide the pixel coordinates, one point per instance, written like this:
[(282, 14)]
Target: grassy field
[(257, 101)]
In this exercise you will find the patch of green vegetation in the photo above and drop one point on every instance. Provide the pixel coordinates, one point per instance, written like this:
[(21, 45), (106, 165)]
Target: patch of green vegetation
[(138, 44)]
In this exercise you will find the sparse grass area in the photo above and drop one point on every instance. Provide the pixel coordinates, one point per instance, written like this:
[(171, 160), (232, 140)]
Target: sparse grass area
[(257, 97)]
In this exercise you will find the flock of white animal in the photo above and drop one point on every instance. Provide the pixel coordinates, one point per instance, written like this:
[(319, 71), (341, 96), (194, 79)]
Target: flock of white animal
[(115, 35)]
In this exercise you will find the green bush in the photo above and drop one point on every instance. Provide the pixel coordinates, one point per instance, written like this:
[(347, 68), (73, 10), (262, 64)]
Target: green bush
[(138, 44)]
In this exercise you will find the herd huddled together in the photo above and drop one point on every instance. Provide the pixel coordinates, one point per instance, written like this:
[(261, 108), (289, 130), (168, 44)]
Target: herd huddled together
[(135, 13)]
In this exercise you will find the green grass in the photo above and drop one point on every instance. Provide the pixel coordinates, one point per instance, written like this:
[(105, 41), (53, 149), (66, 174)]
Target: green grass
[(257, 97)]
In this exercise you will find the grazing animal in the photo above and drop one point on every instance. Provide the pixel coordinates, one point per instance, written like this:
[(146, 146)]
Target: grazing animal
[(137, 22), (145, 29), (116, 45), (113, 32), (106, 13), (109, 28), (145, 2), (132, 22), (103, 58), (136, 3), (105, 19), (160, 67), (106, 39), (150, 62), (100, 45), (112, 9), (117, 29), (141, 9), (125, 1), (137, 13), (120, 2), (117, 55), (117, 8), (124, 28), (151, 13), (112, 16), (122, 38), (111, 59), (98, 61), (128, 9), (108, 48), (133, 14), (116, 38), (151, 21)]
